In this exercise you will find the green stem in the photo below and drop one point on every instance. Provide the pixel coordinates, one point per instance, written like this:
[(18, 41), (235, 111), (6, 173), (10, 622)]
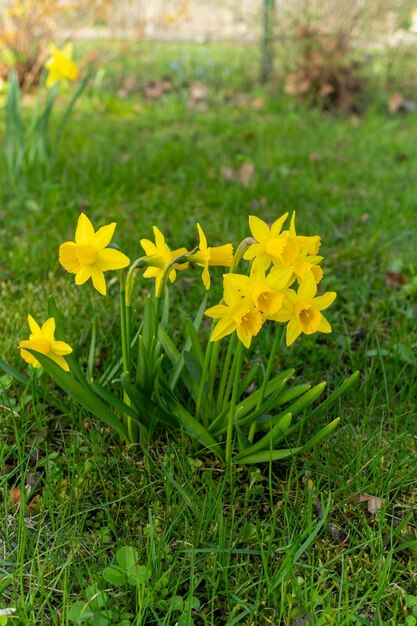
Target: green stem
[(267, 375), (225, 372), (235, 394), (213, 365), (203, 378), (124, 326)]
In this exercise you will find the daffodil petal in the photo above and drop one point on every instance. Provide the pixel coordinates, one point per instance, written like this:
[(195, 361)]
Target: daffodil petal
[(85, 230), (277, 225), (324, 326), (203, 240), (48, 328), (61, 348), (293, 331), (259, 229), (149, 247), (110, 259), (324, 301), (35, 329), (279, 277), (217, 311), (245, 339), (99, 281), (206, 277), (59, 360), (83, 274), (223, 327), (308, 287), (159, 238), (103, 236)]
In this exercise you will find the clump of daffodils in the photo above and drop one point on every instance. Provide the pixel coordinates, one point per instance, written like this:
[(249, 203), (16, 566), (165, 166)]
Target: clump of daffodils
[(278, 283)]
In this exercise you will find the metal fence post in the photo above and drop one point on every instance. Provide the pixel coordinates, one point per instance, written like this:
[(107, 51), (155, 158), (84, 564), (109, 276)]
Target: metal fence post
[(268, 39)]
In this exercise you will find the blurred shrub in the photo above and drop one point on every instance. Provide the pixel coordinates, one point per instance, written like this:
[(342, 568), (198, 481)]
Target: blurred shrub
[(326, 45), (326, 75), (26, 29)]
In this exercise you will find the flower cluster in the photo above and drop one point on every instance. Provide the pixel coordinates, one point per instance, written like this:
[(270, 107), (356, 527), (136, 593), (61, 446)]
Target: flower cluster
[(279, 259)]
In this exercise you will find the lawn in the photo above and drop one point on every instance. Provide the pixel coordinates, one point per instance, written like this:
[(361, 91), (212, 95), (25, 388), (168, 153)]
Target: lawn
[(328, 538)]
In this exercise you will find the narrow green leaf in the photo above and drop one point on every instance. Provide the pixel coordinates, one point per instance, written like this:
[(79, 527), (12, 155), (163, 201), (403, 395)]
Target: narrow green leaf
[(192, 365), (266, 456), (322, 434), (248, 378), (147, 409), (192, 335), (297, 407), (91, 352), (168, 345), (116, 402), (275, 386), (275, 383), (179, 362), (267, 442), (60, 334), (80, 394), (335, 395), (194, 428), (292, 393), (145, 371), (13, 373)]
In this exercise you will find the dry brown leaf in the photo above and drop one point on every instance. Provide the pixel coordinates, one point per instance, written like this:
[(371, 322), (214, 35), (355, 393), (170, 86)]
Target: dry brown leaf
[(242, 174), (15, 495), (198, 91), (394, 279), (395, 103), (228, 173), (245, 173), (155, 89), (314, 157), (365, 217), (375, 503)]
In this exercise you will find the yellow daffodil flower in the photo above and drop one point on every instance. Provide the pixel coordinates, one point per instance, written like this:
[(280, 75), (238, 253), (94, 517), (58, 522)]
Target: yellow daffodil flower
[(302, 310), (301, 252), (43, 340), (159, 257), (60, 65), (265, 292), (270, 243), (211, 256), (89, 256), (241, 317)]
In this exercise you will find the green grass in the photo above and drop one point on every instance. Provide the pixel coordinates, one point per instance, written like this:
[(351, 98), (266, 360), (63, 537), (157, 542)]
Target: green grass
[(252, 546)]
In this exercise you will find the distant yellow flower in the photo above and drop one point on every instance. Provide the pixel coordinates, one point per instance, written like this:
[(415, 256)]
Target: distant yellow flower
[(60, 65), (211, 256), (89, 257), (270, 243), (302, 310), (43, 340), (159, 257)]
